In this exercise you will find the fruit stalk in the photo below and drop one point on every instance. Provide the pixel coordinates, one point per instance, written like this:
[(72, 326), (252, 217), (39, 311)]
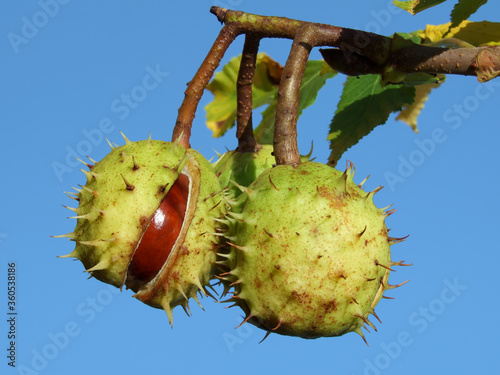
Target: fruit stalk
[(285, 130), (286, 149), (196, 87), (244, 126)]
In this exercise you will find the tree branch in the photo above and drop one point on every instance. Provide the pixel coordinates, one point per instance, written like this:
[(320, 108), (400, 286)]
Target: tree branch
[(356, 52), (380, 53), (476, 61), (374, 46)]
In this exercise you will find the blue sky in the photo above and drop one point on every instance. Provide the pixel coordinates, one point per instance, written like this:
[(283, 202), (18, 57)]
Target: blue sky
[(63, 80)]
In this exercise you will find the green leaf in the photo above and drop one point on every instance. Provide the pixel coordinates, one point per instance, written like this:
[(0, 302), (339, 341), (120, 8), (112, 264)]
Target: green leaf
[(221, 112), (265, 131), (315, 76), (408, 36), (463, 10), (364, 104), (416, 6), (417, 79)]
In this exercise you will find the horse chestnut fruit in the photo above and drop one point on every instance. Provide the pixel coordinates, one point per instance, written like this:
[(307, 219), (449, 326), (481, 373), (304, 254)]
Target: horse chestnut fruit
[(145, 221)]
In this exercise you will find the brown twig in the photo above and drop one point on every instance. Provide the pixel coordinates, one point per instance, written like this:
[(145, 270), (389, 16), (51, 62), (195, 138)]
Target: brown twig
[(375, 49), (244, 127), (460, 61), (196, 87), (374, 46), (483, 62)]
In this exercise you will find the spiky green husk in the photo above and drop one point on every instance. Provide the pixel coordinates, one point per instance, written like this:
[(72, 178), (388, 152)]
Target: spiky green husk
[(310, 252), (243, 167), (122, 193)]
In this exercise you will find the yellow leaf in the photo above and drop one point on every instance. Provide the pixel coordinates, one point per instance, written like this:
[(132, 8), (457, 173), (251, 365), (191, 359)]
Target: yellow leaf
[(433, 33), (475, 33), (411, 112)]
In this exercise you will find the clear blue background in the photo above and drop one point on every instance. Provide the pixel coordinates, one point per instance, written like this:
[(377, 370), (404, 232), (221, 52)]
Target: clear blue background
[(65, 79)]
